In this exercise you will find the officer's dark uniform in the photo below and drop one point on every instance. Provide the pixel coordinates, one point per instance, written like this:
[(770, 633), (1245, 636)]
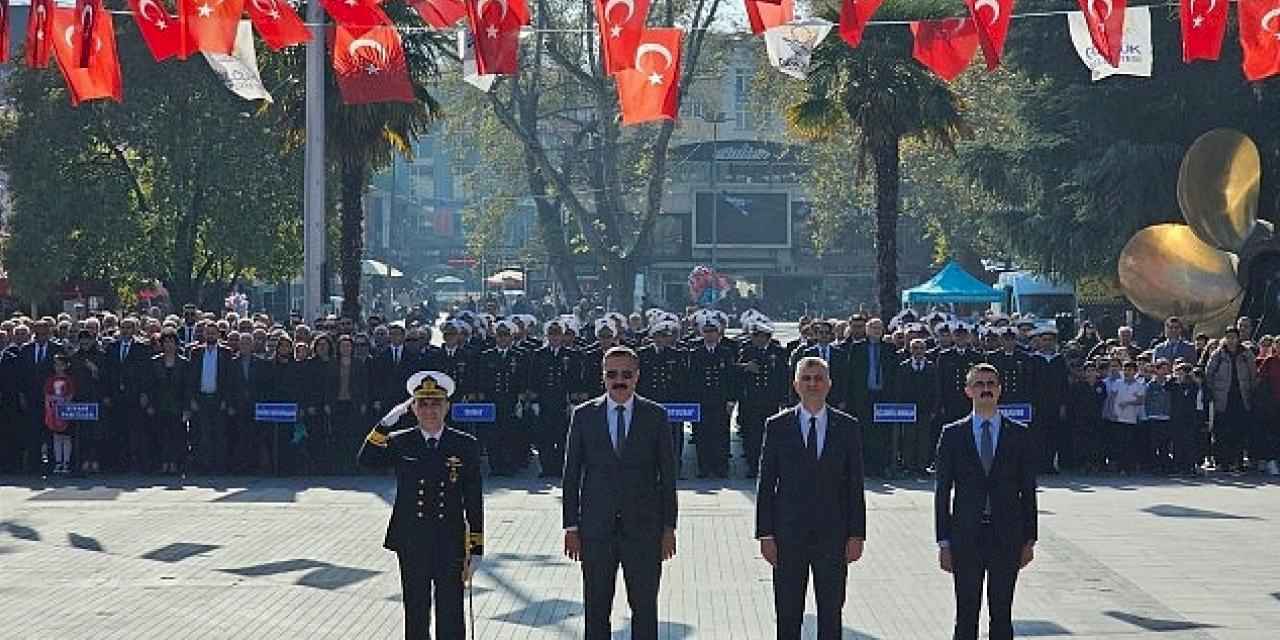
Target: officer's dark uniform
[(762, 394), (712, 380), (553, 374), (438, 499), (664, 375), (953, 366), (501, 378)]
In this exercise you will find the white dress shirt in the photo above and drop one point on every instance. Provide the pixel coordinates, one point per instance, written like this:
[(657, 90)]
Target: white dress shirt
[(821, 426)]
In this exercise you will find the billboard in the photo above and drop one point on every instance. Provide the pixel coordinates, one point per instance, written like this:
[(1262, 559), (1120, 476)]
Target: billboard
[(750, 219)]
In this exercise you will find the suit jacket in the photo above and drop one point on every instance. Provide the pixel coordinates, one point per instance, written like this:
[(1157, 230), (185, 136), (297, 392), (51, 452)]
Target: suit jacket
[(30, 377), (228, 372), (125, 379), (921, 388), (600, 484), (962, 486), (859, 359), (388, 378), (799, 501)]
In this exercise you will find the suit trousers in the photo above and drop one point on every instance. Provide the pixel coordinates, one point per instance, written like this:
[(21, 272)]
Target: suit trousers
[(796, 560), (641, 559), (973, 562), (916, 445), (751, 426), (552, 432), (711, 437), (425, 576), (210, 435)]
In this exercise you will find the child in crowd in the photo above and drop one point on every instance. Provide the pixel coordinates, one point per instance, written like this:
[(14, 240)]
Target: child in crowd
[(1126, 397), (1088, 393), (59, 388), (1185, 419), (1150, 446)]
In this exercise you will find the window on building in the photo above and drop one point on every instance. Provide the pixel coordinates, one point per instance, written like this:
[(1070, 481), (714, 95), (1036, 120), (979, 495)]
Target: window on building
[(743, 120)]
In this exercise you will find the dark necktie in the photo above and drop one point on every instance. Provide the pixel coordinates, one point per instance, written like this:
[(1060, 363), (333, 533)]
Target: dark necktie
[(433, 443), (987, 451), (620, 429), (124, 351), (812, 444)]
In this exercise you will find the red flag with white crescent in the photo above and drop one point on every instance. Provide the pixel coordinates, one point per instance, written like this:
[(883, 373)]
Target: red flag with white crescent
[(370, 66), (1260, 37), (4, 30), (621, 23), (101, 79), (496, 24), (763, 15), (277, 23), (650, 89), (87, 12), (1106, 27), (159, 30), (40, 34), (440, 14), (992, 20), (208, 26), (945, 46), (854, 16), (356, 15), (1204, 23)]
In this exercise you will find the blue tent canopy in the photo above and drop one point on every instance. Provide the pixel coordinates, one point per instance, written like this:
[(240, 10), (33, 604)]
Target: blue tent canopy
[(951, 284)]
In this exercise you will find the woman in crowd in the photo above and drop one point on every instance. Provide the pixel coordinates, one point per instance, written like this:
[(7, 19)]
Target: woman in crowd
[(166, 400), (347, 390), (86, 370)]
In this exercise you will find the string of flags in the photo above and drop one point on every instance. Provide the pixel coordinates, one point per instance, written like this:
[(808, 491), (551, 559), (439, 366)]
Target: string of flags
[(370, 64)]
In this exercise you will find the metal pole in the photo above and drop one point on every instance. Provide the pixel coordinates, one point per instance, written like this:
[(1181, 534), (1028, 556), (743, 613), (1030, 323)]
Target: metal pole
[(715, 197), (313, 175)]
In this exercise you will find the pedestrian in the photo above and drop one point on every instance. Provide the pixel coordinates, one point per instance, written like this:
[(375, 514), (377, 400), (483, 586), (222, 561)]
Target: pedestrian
[(985, 506), (810, 506), (620, 498), (166, 399), (1230, 375), (437, 520), (1126, 397)]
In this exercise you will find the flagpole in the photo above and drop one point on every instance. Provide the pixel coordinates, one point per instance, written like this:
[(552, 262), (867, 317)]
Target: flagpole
[(313, 176)]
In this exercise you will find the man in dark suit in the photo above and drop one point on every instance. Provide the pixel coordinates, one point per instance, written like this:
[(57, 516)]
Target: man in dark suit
[(810, 508), (986, 531), (437, 522), (212, 388), (128, 364), (916, 382), (871, 365), (620, 497)]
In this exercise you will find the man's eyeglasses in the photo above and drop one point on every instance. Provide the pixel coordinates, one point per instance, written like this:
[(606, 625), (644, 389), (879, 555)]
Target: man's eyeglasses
[(625, 374)]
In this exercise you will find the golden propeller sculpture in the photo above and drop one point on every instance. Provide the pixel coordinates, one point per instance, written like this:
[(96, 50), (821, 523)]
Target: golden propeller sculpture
[(1199, 271)]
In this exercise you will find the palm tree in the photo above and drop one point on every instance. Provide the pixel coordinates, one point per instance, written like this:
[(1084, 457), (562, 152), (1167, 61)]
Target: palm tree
[(363, 139), (877, 96)]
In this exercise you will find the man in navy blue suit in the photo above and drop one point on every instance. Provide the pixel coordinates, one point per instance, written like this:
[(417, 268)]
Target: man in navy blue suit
[(985, 506), (810, 508)]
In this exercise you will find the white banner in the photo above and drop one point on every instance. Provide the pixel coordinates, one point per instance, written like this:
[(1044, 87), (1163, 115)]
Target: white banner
[(467, 53), (790, 46), (239, 71), (1136, 55)]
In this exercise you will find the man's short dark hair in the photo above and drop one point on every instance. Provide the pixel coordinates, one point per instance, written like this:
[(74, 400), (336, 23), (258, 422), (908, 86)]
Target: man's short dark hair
[(621, 352), (981, 367)]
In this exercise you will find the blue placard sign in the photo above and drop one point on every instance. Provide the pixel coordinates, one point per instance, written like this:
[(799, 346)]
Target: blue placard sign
[(275, 412), (683, 412), (474, 412), (895, 412), (78, 411), (1020, 412)]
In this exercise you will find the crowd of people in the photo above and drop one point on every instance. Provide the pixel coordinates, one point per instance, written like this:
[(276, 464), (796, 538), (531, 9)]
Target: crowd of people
[(182, 393)]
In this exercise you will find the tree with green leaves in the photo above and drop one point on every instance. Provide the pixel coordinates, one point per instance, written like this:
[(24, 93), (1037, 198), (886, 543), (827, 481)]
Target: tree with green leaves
[(179, 183), (876, 97)]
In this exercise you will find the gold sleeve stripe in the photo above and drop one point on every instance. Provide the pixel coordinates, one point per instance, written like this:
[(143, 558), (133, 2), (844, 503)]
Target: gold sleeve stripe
[(476, 540), (376, 438)]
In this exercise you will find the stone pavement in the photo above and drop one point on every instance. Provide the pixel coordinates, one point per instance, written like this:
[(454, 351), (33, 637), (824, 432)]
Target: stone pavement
[(284, 559)]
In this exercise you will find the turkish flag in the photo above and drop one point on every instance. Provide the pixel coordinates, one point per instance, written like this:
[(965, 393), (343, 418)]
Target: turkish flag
[(993, 26), (622, 22), (650, 89), (87, 12), (854, 15), (1259, 37), (209, 25), (440, 14), (4, 30), (40, 34), (356, 15), (277, 23), (101, 79), (1106, 26), (496, 24), (159, 29), (765, 15), (945, 46), (370, 66), (1204, 23)]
